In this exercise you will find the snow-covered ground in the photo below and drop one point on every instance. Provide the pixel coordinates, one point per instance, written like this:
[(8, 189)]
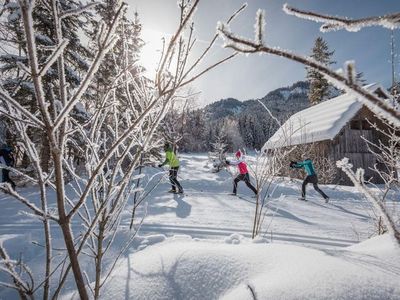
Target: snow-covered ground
[(197, 245)]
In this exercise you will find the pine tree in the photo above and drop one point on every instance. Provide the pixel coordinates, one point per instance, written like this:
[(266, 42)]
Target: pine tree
[(122, 58), (19, 83), (319, 86)]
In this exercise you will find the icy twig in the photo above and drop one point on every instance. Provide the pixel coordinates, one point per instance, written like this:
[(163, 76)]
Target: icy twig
[(390, 21), (24, 288), (358, 181), (5, 97), (373, 102), (104, 48), (6, 187), (232, 17), (23, 68), (79, 10), (53, 57)]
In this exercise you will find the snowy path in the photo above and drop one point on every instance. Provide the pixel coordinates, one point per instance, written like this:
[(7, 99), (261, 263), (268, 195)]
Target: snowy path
[(207, 211)]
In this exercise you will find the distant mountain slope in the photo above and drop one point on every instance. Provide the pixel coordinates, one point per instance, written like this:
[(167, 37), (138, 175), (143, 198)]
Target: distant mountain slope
[(224, 108), (244, 124), (280, 101)]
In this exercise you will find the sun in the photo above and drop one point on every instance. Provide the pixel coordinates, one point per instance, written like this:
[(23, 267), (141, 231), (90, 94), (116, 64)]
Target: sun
[(151, 51)]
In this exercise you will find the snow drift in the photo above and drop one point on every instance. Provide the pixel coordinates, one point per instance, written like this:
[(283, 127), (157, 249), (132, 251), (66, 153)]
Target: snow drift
[(190, 269)]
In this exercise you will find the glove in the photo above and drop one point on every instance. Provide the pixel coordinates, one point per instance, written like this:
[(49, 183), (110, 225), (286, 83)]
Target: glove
[(292, 163), (159, 165), (227, 162)]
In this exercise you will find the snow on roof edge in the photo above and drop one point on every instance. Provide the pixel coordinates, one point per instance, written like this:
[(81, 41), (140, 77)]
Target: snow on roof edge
[(279, 139)]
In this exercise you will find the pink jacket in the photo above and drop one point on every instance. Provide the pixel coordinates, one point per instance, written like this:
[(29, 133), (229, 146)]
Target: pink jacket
[(242, 166)]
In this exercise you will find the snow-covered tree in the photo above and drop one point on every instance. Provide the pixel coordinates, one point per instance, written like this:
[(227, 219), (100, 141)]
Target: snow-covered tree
[(14, 61), (218, 154), (196, 132), (319, 86)]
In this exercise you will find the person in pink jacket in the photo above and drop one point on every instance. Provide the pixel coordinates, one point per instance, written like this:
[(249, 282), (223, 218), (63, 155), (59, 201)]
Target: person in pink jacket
[(243, 173)]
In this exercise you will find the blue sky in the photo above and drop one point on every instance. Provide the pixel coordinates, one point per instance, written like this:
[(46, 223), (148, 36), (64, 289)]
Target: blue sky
[(251, 77)]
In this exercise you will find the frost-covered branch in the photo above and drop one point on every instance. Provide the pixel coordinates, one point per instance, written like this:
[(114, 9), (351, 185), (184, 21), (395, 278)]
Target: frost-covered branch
[(373, 102), (169, 51), (390, 21), (25, 290), (358, 181), (387, 153), (108, 40), (211, 44), (6, 98), (79, 10), (6, 187), (53, 57)]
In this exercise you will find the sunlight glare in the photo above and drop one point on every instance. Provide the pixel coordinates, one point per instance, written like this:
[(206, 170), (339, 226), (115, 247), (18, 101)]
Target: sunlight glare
[(151, 52)]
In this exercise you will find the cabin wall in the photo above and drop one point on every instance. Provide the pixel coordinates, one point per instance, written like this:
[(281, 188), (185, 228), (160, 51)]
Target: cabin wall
[(319, 153), (350, 143)]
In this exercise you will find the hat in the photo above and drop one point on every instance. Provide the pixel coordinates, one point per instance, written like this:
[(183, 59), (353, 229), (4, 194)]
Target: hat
[(167, 145), (238, 153)]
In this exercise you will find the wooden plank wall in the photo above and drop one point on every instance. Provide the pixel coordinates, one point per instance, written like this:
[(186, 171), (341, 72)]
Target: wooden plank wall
[(349, 143)]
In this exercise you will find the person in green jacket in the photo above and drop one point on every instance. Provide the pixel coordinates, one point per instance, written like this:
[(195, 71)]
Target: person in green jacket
[(311, 177), (173, 162)]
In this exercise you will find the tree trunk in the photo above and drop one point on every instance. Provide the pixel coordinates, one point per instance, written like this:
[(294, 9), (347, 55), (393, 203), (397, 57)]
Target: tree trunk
[(99, 259), (65, 226), (45, 154)]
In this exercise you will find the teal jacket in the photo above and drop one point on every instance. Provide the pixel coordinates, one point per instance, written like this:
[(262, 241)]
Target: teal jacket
[(307, 165)]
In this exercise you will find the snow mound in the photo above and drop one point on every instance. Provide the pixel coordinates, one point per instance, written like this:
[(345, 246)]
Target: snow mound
[(381, 246), (234, 239), (186, 269), (151, 240)]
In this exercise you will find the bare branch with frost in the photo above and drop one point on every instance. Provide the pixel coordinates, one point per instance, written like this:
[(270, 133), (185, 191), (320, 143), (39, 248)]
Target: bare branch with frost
[(373, 102), (331, 23)]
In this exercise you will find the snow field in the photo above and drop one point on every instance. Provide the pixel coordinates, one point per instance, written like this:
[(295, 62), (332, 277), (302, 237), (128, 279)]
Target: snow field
[(198, 245)]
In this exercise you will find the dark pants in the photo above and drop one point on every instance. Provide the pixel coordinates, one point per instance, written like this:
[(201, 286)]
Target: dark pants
[(314, 180), (246, 179), (6, 178), (173, 174)]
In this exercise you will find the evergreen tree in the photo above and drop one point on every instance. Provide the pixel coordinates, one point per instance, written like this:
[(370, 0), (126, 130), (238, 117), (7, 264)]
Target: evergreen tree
[(122, 58), (19, 83), (319, 86), (218, 154)]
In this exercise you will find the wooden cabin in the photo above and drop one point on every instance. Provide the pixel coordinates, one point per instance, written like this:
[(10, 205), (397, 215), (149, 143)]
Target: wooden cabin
[(335, 129)]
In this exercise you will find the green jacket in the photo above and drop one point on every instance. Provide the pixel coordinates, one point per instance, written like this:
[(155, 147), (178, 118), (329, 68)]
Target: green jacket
[(171, 159), (307, 165)]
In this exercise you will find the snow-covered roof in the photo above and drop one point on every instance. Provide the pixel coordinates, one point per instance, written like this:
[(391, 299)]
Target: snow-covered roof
[(320, 122)]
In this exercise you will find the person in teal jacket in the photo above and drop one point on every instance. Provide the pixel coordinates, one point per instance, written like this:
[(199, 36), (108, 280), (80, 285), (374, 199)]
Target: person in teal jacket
[(173, 162), (311, 177)]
